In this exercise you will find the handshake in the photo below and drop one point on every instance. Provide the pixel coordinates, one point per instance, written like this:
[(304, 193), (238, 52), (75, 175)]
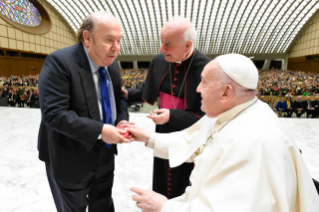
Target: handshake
[(124, 132)]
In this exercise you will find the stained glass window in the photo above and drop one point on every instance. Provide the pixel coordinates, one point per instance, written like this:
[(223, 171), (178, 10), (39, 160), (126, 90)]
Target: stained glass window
[(21, 11)]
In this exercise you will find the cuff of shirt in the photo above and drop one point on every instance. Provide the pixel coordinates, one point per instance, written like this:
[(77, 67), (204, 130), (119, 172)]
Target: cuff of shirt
[(151, 141), (159, 144)]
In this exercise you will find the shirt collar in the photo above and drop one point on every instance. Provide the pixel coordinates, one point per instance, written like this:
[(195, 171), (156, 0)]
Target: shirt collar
[(226, 116), (189, 54), (93, 66)]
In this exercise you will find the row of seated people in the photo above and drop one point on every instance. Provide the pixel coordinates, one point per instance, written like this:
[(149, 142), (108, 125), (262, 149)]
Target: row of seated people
[(22, 80), (19, 97), (287, 106), (287, 83)]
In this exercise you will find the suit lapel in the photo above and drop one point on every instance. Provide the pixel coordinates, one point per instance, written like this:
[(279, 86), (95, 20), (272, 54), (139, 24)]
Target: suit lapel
[(88, 84)]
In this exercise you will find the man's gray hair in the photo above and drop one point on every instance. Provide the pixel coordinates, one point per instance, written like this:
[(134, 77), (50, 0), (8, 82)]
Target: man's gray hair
[(190, 34), (87, 25)]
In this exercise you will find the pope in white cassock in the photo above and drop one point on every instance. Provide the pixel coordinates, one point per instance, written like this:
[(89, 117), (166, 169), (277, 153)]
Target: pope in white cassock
[(238, 167)]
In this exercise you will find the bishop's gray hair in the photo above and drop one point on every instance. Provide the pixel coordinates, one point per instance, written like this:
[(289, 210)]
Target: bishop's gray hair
[(190, 34)]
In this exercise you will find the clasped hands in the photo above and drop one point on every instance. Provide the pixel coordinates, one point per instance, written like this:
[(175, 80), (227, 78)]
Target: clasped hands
[(114, 135)]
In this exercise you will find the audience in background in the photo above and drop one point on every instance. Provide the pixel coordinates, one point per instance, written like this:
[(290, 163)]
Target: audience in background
[(133, 78), (288, 83), (22, 91)]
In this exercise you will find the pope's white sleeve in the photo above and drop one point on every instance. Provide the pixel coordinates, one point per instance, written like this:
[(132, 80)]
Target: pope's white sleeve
[(162, 142)]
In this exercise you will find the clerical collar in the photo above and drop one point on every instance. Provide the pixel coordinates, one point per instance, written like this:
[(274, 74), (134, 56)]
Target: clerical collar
[(188, 56), (228, 115)]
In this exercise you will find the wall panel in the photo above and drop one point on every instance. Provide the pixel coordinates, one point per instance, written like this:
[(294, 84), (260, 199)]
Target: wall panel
[(20, 66), (300, 63)]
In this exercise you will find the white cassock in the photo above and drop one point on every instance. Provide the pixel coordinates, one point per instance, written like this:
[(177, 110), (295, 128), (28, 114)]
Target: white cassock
[(250, 164)]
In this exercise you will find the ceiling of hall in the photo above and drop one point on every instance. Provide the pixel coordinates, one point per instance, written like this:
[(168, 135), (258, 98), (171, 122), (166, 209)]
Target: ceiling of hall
[(232, 26)]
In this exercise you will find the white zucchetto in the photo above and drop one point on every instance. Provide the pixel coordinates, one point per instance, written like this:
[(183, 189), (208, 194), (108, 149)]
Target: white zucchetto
[(240, 69)]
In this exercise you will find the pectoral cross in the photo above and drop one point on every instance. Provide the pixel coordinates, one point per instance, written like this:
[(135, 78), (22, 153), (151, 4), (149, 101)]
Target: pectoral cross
[(209, 139)]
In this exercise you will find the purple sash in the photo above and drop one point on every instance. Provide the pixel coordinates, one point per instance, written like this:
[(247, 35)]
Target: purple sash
[(166, 101)]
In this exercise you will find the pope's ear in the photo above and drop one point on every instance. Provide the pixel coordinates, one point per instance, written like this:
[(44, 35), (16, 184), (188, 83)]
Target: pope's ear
[(228, 92)]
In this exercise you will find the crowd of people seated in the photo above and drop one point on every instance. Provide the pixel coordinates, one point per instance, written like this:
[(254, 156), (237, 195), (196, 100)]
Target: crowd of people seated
[(286, 106), (133, 78), (290, 93), (19, 81), (20, 97), (20, 91), (288, 83)]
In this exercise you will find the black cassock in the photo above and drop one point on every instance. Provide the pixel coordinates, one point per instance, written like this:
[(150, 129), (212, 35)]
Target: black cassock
[(171, 182)]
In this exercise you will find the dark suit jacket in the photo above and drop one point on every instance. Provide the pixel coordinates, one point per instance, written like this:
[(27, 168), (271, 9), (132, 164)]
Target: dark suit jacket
[(299, 105), (306, 104), (71, 121)]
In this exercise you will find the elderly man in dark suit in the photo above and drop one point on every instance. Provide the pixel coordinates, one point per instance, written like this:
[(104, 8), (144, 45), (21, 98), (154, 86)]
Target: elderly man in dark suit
[(81, 101)]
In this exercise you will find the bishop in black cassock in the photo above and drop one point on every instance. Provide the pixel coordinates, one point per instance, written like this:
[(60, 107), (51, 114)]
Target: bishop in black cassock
[(165, 81)]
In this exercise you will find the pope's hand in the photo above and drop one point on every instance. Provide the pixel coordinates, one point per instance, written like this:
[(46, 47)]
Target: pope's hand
[(137, 134), (112, 135), (148, 201), (162, 116)]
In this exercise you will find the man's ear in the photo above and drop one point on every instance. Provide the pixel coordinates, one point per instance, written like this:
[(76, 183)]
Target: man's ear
[(86, 38), (188, 44)]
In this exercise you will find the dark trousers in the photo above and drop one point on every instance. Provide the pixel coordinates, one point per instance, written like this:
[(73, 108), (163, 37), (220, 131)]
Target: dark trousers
[(312, 113), (170, 182), (94, 191), (12, 103), (289, 112), (299, 114)]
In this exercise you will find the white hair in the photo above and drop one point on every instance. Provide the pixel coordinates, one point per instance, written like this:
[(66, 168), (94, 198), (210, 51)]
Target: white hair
[(240, 91), (190, 34)]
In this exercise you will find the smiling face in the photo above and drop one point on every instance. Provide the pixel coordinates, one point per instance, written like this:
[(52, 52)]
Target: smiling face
[(210, 90), (103, 45)]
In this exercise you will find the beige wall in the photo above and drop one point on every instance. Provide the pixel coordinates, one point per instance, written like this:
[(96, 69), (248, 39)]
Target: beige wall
[(59, 37), (308, 42)]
